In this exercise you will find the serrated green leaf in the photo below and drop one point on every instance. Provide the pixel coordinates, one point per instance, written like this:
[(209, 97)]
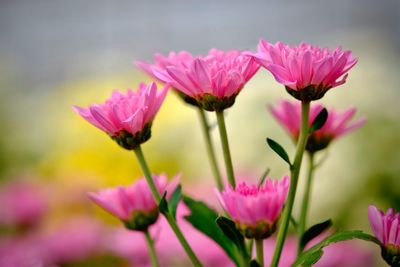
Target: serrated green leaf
[(278, 149), (203, 218), (174, 200), (319, 121), (228, 227), (313, 232), (163, 205), (312, 255)]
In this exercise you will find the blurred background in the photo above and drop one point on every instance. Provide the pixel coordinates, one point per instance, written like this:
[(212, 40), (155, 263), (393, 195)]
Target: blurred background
[(55, 54)]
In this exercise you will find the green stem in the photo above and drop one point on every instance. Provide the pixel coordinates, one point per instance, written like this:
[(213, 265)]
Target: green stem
[(306, 200), (294, 175), (225, 147), (260, 252), (152, 251), (168, 216), (210, 149)]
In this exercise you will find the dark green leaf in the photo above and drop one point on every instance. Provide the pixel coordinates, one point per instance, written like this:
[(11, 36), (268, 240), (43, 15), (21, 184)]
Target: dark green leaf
[(204, 219), (254, 263), (163, 205), (228, 227), (313, 232), (311, 256), (319, 121), (279, 150), (174, 200)]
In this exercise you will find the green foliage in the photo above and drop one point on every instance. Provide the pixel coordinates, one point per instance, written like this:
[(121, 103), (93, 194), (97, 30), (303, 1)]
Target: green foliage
[(319, 121), (203, 218), (278, 149), (311, 256), (314, 231), (174, 200)]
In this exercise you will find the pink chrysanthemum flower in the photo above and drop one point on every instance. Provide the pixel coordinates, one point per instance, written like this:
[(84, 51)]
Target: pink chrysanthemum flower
[(306, 71), (288, 114), (127, 118), (255, 209), (134, 204), (211, 82), (386, 228)]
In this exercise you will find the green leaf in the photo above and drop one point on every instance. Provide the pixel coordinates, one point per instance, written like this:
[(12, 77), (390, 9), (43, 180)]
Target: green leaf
[(313, 232), (311, 256), (229, 228), (319, 121), (174, 200), (254, 263), (279, 150), (204, 219), (163, 205)]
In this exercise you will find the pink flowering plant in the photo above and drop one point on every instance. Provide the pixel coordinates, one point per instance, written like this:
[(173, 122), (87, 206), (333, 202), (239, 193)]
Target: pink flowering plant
[(252, 213)]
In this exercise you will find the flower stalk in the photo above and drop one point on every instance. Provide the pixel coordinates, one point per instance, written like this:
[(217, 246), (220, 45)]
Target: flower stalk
[(205, 127), (306, 200), (171, 220), (294, 175), (225, 147), (152, 251), (260, 251)]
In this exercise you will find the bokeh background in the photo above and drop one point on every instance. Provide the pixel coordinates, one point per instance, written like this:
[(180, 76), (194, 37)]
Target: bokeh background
[(55, 54)]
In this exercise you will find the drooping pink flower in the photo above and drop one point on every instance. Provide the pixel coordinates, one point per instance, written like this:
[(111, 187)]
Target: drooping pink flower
[(127, 118), (338, 123), (306, 71), (386, 228), (21, 204), (133, 204), (255, 209), (211, 82)]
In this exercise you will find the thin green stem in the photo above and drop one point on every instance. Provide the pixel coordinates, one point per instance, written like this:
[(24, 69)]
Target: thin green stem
[(225, 147), (147, 174), (168, 216), (306, 201), (210, 149), (294, 175), (260, 252), (152, 250)]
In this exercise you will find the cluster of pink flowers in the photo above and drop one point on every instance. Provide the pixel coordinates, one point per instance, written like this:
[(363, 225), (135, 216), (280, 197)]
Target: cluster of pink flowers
[(212, 82)]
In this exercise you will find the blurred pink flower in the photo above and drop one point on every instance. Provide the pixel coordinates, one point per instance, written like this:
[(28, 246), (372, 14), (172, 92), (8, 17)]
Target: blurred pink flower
[(132, 245), (21, 204), (255, 209), (347, 253), (126, 118), (307, 71), (22, 251), (212, 81), (288, 114), (76, 240), (133, 204)]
